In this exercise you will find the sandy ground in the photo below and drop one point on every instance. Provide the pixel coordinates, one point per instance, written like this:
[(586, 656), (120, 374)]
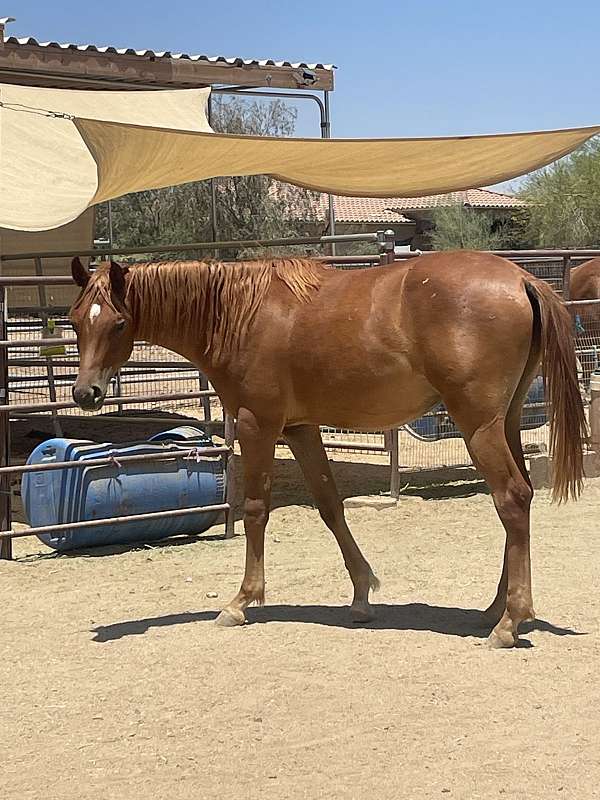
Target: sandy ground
[(117, 684)]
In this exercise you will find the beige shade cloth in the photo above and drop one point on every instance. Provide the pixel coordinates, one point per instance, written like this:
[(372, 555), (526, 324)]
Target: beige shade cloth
[(53, 168), (47, 175), (131, 158)]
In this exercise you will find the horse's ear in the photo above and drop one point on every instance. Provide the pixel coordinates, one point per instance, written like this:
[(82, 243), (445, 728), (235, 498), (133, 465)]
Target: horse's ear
[(80, 274), (117, 278)]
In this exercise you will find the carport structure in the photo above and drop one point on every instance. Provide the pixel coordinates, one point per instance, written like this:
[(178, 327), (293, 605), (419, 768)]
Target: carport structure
[(28, 62)]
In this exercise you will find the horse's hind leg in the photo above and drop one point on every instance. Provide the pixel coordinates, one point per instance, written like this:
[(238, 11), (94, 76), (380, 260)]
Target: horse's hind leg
[(512, 427), (511, 491), (307, 447)]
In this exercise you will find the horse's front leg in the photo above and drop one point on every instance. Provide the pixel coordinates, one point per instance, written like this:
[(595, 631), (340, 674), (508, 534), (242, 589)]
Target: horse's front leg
[(257, 442)]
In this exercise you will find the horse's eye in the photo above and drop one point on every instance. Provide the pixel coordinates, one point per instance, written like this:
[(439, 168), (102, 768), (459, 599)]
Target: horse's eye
[(120, 324)]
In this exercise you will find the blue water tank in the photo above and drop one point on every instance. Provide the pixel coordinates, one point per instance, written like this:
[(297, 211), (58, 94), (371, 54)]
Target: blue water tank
[(73, 495)]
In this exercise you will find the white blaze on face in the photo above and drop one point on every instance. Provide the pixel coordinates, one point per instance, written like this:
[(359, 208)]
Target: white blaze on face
[(94, 312)]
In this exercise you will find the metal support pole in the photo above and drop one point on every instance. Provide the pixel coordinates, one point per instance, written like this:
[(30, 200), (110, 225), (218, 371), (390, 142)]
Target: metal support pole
[(325, 124), (111, 240), (41, 291), (5, 496), (230, 477), (214, 224), (326, 134)]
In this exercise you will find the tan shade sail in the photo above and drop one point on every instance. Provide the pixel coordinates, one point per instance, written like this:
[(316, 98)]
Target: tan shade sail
[(131, 158), (50, 176)]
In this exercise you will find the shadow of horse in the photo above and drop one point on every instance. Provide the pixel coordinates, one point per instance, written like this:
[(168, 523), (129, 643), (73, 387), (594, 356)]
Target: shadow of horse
[(443, 620)]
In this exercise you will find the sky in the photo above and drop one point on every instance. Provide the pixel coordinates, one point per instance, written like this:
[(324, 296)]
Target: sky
[(417, 68)]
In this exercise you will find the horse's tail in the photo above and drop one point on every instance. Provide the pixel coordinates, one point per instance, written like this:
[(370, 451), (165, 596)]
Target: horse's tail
[(568, 426)]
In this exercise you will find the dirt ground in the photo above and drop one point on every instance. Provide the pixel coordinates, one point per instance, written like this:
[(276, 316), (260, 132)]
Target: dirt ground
[(117, 684)]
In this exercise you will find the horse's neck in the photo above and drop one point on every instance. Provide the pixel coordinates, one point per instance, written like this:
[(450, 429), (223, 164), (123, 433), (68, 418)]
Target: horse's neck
[(191, 344)]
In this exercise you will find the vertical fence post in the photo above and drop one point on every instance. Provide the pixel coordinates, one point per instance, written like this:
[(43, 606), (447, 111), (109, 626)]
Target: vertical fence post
[(595, 413), (390, 245), (5, 498), (387, 243), (118, 384), (53, 396), (566, 277), (391, 441), (230, 476), (45, 316), (203, 383)]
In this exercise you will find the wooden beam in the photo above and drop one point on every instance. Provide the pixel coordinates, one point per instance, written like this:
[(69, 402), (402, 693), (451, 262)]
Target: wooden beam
[(53, 66)]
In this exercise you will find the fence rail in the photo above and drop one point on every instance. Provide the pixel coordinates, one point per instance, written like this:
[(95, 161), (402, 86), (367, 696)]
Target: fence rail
[(186, 247), (92, 523), (166, 455)]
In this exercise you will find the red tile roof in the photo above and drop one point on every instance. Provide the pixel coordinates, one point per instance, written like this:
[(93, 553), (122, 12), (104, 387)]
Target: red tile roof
[(389, 209), (473, 198), (362, 209)]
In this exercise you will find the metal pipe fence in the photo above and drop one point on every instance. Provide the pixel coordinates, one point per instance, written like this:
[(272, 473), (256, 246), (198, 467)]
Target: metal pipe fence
[(57, 378), (552, 265)]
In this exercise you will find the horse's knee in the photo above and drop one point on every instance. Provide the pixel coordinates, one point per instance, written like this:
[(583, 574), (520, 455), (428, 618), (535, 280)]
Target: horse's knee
[(513, 502), (256, 512)]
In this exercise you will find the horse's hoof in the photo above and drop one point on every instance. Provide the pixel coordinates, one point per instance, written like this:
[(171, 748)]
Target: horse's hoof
[(502, 639), (362, 612), (229, 618)]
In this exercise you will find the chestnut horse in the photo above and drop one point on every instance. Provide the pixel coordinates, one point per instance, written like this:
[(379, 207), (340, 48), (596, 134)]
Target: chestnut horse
[(585, 285), (292, 344)]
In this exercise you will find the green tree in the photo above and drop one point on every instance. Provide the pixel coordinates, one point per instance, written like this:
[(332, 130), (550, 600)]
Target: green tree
[(565, 200), (255, 207), (457, 227)]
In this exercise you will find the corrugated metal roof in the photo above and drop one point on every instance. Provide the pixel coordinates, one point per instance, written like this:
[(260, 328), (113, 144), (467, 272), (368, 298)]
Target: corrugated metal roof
[(232, 62)]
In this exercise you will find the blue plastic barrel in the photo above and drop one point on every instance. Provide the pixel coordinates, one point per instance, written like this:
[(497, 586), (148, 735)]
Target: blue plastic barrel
[(95, 492)]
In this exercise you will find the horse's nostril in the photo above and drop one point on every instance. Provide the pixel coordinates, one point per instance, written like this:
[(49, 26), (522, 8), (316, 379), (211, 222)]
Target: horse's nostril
[(97, 392)]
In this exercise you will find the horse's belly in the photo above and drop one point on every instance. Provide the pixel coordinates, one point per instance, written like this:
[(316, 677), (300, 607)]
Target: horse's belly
[(370, 403)]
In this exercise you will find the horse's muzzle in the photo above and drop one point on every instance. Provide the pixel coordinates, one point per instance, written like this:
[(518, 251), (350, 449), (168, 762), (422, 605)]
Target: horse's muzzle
[(88, 398)]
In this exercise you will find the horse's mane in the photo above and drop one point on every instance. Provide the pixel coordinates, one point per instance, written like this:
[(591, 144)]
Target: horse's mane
[(222, 297)]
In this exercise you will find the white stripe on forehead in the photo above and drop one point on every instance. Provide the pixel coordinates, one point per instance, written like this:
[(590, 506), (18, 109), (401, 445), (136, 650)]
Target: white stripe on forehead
[(95, 310)]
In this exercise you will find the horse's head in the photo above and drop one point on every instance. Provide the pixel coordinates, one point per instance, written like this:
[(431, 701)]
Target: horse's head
[(104, 330)]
